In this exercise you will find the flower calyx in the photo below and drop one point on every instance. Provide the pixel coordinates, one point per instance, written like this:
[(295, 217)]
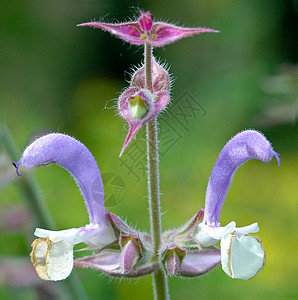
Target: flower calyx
[(184, 236), (119, 226), (185, 256), (129, 258)]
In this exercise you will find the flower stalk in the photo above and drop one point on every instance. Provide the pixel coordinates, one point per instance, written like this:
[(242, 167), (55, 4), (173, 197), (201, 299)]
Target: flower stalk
[(160, 283)]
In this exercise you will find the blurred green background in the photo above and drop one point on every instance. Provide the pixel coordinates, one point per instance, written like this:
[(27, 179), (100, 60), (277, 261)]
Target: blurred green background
[(56, 77)]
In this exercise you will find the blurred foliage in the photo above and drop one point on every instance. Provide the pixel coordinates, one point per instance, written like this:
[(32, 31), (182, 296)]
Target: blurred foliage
[(57, 77)]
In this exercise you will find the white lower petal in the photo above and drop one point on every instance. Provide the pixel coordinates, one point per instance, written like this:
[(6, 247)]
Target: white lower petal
[(242, 257), (52, 252), (52, 260)]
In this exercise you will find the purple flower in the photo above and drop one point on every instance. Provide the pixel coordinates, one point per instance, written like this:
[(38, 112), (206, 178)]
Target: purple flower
[(52, 253), (242, 255), (145, 30)]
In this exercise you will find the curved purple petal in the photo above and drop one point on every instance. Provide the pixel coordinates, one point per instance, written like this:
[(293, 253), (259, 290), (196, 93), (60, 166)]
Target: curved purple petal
[(245, 145), (129, 32), (77, 160), (165, 33)]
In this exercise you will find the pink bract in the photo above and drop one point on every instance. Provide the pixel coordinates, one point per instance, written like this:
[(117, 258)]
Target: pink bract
[(143, 31), (155, 101)]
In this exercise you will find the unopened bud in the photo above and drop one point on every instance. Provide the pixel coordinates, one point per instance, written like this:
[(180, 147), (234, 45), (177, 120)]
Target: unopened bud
[(145, 21), (131, 252), (173, 258), (160, 77)]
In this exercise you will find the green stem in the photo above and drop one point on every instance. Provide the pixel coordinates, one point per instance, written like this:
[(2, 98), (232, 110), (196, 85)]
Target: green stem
[(153, 182), (160, 282), (71, 287)]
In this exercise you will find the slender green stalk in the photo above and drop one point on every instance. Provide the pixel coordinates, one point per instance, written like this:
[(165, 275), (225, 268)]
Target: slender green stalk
[(160, 283), (71, 287), (153, 182), (148, 67)]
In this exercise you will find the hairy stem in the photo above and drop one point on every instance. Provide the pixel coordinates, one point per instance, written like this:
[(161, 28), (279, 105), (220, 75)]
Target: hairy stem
[(159, 278)]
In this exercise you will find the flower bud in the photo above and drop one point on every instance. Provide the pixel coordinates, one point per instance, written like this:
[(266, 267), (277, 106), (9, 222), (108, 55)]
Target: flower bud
[(131, 253), (145, 21), (172, 259), (160, 78)]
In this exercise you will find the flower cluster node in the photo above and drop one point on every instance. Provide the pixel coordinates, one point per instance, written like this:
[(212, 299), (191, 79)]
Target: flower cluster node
[(123, 252)]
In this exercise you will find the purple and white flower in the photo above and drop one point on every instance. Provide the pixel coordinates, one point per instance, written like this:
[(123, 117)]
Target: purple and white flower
[(52, 253), (242, 255)]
